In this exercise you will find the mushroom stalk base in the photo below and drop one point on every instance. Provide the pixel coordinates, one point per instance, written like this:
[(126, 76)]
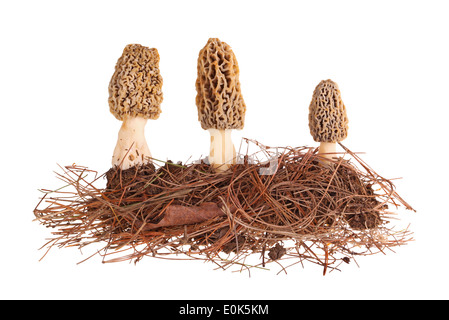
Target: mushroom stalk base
[(327, 150), (222, 152), (132, 148)]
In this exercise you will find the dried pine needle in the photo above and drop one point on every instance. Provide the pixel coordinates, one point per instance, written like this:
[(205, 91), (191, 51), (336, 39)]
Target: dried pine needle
[(276, 205)]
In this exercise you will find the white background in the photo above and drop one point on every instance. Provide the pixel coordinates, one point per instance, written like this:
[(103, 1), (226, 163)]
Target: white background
[(390, 59)]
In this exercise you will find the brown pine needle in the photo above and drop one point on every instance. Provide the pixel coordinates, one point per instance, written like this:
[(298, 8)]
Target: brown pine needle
[(321, 213)]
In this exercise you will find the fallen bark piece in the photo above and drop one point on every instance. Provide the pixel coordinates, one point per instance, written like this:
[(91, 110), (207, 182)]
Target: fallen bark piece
[(176, 215)]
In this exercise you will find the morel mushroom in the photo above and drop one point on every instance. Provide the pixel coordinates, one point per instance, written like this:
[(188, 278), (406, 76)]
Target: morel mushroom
[(219, 100), (135, 95), (328, 122)]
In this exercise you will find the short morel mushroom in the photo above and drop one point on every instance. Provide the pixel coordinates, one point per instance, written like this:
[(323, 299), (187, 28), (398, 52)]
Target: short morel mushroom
[(328, 122), (219, 100), (135, 95)]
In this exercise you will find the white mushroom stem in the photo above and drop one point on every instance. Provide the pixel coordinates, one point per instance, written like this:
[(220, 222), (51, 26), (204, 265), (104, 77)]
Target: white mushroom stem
[(327, 149), (222, 152), (132, 148)]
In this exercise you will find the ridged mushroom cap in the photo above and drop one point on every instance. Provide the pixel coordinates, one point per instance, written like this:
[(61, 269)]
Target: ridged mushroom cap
[(328, 121), (219, 99), (135, 88)]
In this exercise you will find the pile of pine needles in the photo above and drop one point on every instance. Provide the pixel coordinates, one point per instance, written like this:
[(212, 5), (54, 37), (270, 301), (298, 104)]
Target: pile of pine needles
[(277, 205)]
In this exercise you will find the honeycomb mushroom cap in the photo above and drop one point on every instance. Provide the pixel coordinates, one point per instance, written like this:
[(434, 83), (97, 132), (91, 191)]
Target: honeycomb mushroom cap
[(219, 99), (328, 121), (135, 88)]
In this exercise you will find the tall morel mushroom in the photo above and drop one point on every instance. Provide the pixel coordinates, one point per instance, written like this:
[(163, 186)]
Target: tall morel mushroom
[(219, 100), (328, 122), (135, 95)]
